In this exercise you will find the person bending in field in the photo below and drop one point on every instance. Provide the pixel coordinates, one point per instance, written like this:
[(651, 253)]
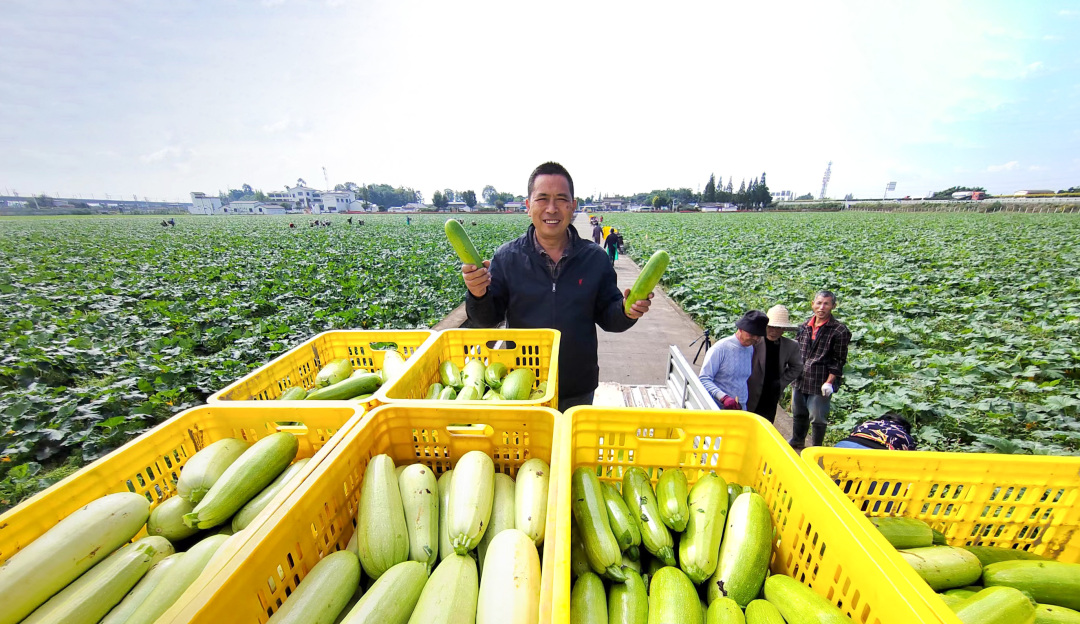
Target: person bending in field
[(777, 362), (727, 365), (551, 277), (823, 344), (891, 432)]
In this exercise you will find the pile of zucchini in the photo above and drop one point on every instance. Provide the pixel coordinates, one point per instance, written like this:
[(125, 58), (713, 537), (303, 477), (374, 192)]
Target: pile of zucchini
[(987, 584), (460, 548), (478, 382), (85, 571), (719, 569), (337, 381)]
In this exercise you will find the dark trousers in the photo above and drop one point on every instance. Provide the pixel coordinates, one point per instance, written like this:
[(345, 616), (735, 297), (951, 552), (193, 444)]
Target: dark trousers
[(611, 254), (566, 403), (808, 411), (766, 405)]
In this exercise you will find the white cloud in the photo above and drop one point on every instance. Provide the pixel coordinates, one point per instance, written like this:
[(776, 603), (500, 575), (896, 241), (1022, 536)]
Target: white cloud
[(1009, 166), (1037, 168), (278, 126), (165, 153), (1068, 13)]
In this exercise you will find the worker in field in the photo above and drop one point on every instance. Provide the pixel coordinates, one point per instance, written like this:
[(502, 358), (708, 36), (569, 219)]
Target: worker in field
[(891, 432), (777, 363), (725, 373), (597, 231), (823, 344), (550, 277)]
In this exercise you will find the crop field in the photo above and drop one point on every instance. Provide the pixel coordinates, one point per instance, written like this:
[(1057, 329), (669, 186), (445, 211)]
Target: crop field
[(110, 325), (967, 324)]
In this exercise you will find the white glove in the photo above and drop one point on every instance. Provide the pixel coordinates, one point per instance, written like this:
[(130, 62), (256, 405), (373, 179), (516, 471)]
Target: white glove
[(827, 389)]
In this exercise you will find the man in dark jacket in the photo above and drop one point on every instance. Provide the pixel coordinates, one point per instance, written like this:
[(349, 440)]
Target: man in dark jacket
[(552, 278)]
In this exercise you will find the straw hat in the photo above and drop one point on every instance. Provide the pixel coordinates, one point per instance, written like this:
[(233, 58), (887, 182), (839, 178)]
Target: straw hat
[(779, 318)]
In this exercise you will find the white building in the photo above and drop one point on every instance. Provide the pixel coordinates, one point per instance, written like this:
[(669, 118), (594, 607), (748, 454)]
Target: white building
[(252, 208), (357, 205), (336, 201), (515, 205), (781, 196), (278, 197), (201, 203), (306, 197)]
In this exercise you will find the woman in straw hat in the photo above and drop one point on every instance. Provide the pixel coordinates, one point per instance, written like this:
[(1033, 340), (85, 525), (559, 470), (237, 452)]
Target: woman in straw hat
[(776, 363)]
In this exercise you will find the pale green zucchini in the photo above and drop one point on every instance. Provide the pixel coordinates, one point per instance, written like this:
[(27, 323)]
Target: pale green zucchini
[(641, 501), (392, 598), (243, 479), (943, 567), (49, 563), (502, 516), (136, 596), (707, 513), (445, 547), (648, 278), (745, 552), (628, 602), (177, 579), (530, 498), (393, 366), (356, 385), (450, 595), (334, 372), (167, 519), (450, 375), (510, 584), (623, 526), (471, 493), (252, 508), (494, 375), (1048, 582), (91, 596), (420, 502), (462, 244), (518, 384), (323, 593), (579, 561), (904, 532), (994, 554), (1051, 614), (293, 393), (727, 611), (382, 533), (763, 612), (673, 599), (798, 603), (671, 494), (587, 602), (590, 512), (205, 467), (996, 605)]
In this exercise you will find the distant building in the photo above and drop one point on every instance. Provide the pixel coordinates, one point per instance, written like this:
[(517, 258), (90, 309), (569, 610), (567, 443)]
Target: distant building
[(458, 206), (336, 201), (306, 197), (779, 196), (252, 208), (357, 205), (1033, 192), (717, 207), (201, 203), (614, 203), (514, 205), (279, 197)]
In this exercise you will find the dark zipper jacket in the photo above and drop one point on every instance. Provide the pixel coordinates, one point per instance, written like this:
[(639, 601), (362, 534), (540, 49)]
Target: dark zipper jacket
[(583, 293)]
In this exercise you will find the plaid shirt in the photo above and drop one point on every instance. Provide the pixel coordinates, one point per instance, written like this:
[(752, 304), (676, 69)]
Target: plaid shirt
[(823, 355), (554, 266)]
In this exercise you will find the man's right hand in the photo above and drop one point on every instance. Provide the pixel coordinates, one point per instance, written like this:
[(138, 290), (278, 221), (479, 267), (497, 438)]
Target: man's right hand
[(477, 279)]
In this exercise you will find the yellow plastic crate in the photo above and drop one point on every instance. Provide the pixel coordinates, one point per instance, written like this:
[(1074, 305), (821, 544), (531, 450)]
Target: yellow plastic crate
[(537, 349), (299, 366), (1011, 501), (319, 517), (813, 541), (150, 464)]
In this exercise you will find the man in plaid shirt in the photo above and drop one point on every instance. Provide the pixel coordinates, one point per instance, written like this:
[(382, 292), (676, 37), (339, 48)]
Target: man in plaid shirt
[(823, 342)]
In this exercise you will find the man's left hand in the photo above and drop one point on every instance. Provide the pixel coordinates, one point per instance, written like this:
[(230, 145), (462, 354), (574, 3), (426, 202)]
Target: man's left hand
[(639, 308)]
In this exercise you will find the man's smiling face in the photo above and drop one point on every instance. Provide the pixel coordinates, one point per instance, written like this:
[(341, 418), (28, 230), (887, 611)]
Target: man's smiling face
[(551, 206)]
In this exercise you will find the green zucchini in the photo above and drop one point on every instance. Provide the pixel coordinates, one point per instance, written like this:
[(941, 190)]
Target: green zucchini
[(448, 394), (252, 508), (517, 385), (167, 519), (939, 538), (450, 595), (205, 467), (136, 596), (673, 599), (587, 504), (1051, 614), (392, 598), (628, 602), (445, 547), (90, 597), (510, 584), (623, 526), (176, 580), (450, 375), (462, 244), (943, 567), (648, 278), (744, 555), (243, 479), (49, 563), (579, 561), (382, 533), (699, 546), (502, 514), (798, 603), (996, 605), (727, 611), (334, 372), (468, 393), (491, 395), (473, 373), (420, 502), (904, 532), (293, 393), (494, 375), (323, 593), (1048, 582), (346, 389), (433, 391), (671, 495), (763, 612), (587, 602), (994, 554), (471, 492), (393, 366), (641, 501)]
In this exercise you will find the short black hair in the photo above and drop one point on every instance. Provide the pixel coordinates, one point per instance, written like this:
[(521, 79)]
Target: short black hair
[(898, 419), (551, 168), (826, 293)]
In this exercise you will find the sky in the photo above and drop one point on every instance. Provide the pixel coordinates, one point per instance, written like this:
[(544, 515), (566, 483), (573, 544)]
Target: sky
[(160, 98)]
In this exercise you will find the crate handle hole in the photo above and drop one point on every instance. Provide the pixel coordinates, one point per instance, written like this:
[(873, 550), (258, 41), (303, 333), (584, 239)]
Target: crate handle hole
[(662, 434), (291, 426), (383, 346), (478, 430), (501, 345)]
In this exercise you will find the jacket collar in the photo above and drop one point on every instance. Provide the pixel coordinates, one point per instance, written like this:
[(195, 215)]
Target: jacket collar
[(572, 246)]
